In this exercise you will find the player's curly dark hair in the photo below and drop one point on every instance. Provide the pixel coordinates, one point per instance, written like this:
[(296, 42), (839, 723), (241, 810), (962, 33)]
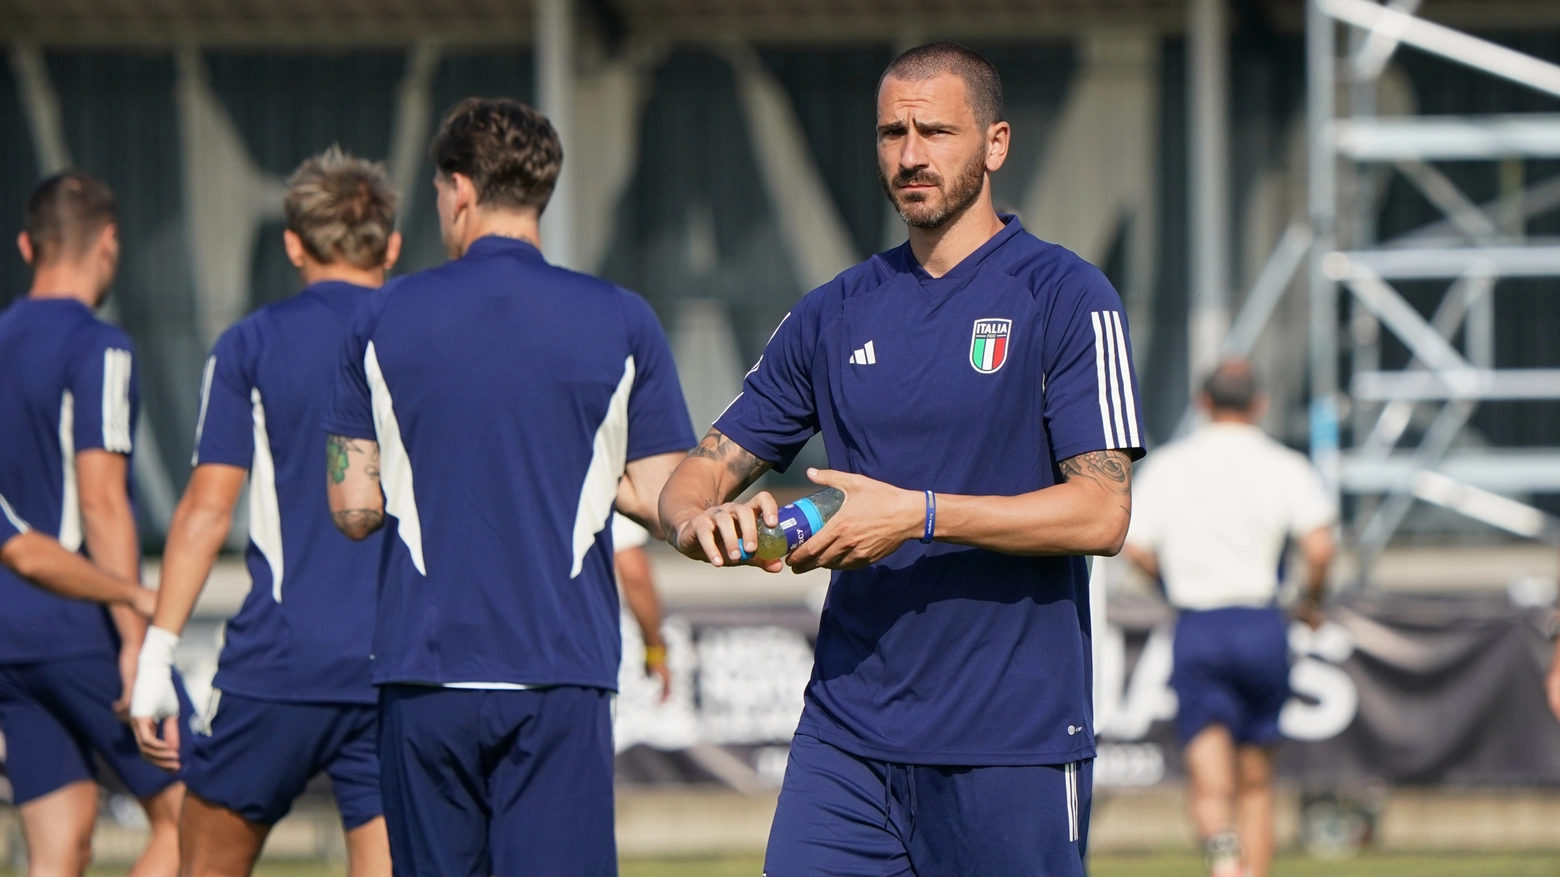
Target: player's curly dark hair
[(509, 151)]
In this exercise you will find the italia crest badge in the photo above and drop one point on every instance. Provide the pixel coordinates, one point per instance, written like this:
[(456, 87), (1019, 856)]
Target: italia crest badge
[(989, 344)]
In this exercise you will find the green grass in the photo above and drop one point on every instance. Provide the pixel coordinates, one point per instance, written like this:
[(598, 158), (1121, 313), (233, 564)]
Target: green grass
[(1163, 865)]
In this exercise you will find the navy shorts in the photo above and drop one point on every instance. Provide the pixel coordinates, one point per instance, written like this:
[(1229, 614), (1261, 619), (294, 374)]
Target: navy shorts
[(56, 714), (841, 815), (515, 783), (1231, 669), (259, 755)]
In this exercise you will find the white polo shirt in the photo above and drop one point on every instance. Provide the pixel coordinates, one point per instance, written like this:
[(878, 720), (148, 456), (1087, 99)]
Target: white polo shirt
[(1216, 508)]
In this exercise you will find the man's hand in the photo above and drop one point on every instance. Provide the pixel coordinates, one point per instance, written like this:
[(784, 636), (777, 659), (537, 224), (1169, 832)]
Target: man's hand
[(720, 534), (874, 521), (655, 665), (144, 603), (155, 701)]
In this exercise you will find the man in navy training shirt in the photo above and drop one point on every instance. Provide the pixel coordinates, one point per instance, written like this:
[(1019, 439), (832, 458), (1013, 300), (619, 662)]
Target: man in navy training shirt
[(68, 408), (292, 695), (488, 414), (975, 393), (42, 561)]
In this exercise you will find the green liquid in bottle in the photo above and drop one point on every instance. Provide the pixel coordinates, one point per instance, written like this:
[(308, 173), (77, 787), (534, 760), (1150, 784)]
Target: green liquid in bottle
[(798, 522)]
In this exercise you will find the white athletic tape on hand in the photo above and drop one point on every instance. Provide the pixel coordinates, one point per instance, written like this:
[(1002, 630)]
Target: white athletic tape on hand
[(153, 695)]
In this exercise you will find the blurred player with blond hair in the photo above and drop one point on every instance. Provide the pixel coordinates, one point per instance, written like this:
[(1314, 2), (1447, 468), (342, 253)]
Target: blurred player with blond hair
[(292, 696)]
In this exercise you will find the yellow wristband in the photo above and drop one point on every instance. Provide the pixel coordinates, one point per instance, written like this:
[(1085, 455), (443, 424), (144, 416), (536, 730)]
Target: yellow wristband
[(655, 655)]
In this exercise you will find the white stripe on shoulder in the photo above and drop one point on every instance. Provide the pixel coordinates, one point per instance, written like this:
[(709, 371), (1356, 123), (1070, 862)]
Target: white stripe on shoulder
[(608, 459), (1115, 388), (205, 400), (1099, 375), (265, 510), (1126, 379), (12, 516), (116, 400), (395, 465)]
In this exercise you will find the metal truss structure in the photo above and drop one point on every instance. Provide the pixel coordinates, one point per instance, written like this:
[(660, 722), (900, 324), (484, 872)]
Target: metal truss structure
[(1472, 249)]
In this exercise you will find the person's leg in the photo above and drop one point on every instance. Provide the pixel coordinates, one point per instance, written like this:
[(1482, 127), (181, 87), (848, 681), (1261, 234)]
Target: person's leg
[(244, 770), (550, 786), (1254, 806), (368, 850), (354, 777), (433, 781), (1210, 774), (50, 768), (836, 817), (58, 827), (215, 841)]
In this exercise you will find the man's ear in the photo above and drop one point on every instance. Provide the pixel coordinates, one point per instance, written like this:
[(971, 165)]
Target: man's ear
[(294, 247), (465, 192), (998, 137), (24, 245), (392, 250)]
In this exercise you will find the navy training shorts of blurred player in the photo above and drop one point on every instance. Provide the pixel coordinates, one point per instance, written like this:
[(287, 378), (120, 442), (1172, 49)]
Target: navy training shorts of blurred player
[(1231, 669), (56, 714), (257, 756), (542, 758), (900, 820)]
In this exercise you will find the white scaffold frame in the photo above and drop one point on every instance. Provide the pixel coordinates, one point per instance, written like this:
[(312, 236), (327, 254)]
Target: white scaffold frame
[(1472, 248)]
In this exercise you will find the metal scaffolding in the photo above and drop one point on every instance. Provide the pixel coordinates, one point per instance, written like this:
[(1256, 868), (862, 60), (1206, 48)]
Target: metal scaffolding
[(1473, 248)]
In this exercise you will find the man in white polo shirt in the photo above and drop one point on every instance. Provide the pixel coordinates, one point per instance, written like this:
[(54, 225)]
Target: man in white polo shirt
[(1212, 515)]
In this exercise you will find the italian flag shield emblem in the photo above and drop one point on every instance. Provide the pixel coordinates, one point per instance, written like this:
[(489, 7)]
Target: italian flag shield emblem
[(989, 343)]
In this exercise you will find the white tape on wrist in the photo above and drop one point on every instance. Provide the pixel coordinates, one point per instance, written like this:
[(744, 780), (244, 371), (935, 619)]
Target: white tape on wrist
[(153, 695)]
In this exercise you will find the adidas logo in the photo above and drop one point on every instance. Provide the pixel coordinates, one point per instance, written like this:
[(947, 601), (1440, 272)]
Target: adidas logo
[(864, 355)]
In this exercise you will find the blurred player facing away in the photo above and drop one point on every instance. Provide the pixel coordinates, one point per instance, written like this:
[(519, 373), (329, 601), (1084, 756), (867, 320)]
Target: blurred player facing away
[(68, 408), (292, 695), (487, 414), (42, 561), (984, 443), (1214, 511)]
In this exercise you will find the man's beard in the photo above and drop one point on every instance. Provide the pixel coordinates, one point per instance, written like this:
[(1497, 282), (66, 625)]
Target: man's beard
[(960, 195)]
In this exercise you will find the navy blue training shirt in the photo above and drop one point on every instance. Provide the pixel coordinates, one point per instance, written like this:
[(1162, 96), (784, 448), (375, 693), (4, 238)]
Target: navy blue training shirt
[(304, 632), (978, 382), (506, 395), (67, 384)]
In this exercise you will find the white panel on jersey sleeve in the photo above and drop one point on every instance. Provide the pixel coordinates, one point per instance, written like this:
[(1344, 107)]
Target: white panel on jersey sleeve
[(116, 400), (11, 515), (1126, 380), (395, 466), (265, 511), (205, 400), (70, 502), (608, 459)]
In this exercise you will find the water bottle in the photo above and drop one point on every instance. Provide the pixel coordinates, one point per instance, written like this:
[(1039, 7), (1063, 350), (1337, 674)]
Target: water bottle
[(798, 522)]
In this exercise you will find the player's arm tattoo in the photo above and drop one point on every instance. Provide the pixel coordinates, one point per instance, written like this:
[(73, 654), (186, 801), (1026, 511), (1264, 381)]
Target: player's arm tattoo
[(358, 523), (338, 451), (742, 465), (1111, 470)]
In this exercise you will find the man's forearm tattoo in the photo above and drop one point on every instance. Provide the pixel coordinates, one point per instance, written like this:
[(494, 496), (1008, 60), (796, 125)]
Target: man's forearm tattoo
[(1111, 470), (338, 449), (742, 465), (358, 523)]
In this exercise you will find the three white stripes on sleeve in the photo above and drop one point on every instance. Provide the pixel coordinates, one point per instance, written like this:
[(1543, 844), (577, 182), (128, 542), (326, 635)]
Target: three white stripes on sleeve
[(116, 400), (1118, 406)]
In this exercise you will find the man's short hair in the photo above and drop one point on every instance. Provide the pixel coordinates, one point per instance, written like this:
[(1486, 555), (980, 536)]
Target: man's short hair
[(342, 208), (1232, 386), (509, 151), (981, 82), (66, 213)]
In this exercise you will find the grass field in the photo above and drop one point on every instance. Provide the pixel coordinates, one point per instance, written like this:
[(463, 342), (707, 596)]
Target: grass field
[(1444, 865)]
